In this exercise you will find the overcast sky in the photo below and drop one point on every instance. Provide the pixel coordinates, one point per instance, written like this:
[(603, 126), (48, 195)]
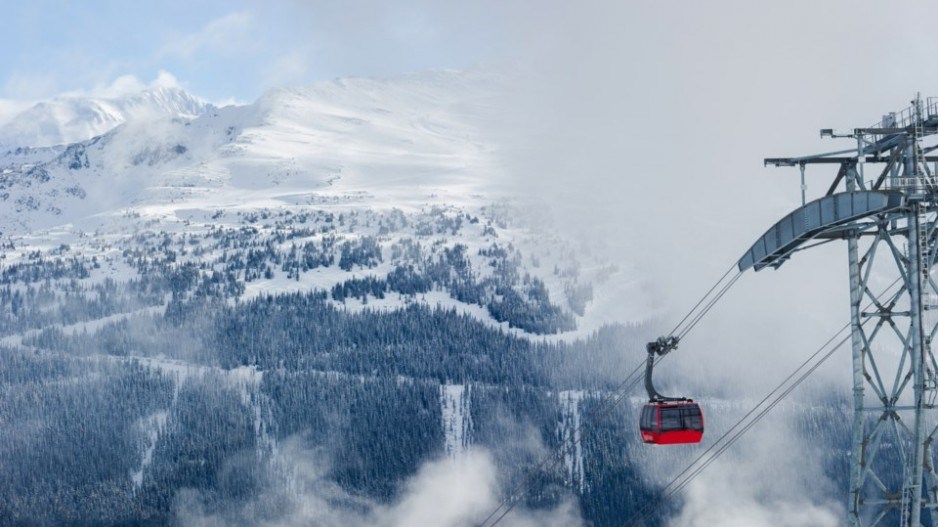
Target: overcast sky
[(234, 49), (661, 112)]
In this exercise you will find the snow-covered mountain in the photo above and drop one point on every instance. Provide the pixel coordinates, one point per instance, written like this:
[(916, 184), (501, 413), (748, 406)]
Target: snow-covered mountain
[(407, 159), (72, 119), (401, 140), (198, 302), (325, 266)]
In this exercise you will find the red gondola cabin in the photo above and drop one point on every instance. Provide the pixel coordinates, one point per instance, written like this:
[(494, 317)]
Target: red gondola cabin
[(671, 423)]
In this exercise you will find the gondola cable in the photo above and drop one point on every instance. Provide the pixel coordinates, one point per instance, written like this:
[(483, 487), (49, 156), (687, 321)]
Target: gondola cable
[(702, 299), (510, 501), (668, 420), (629, 383), (610, 402), (694, 469), (722, 447), (608, 405), (709, 306)]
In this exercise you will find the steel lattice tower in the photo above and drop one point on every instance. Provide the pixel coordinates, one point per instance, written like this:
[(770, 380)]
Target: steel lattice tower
[(883, 202)]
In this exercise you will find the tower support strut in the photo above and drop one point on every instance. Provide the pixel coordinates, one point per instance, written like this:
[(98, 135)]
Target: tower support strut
[(892, 479)]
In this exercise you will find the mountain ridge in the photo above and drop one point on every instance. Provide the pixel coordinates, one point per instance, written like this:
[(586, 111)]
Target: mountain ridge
[(403, 165), (71, 119)]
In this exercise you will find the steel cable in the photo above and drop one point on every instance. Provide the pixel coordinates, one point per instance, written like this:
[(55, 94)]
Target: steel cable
[(619, 393), (607, 405), (722, 447)]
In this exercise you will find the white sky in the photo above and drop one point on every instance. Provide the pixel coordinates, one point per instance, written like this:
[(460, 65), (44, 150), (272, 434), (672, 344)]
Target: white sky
[(659, 113), (646, 125)]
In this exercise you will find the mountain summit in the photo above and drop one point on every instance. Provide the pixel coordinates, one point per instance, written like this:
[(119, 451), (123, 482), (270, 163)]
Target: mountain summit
[(72, 119), (385, 178), (397, 140)]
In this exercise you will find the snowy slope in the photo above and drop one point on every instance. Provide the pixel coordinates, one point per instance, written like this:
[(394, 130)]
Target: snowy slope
[(398, 139), (407, 160)]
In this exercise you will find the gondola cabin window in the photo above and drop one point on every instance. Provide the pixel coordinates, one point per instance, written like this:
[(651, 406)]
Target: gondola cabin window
[(670, 419), (691, 418), (648, 418)]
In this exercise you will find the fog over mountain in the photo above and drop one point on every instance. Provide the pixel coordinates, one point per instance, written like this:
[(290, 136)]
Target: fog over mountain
[(318, 306), (230, 298), (71, 119)]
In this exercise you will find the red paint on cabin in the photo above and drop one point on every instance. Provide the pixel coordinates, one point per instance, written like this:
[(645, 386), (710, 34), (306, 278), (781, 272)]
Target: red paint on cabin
[(672, 423)]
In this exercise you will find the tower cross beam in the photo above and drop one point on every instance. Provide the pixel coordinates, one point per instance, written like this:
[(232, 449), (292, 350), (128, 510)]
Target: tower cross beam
[(892, 479)]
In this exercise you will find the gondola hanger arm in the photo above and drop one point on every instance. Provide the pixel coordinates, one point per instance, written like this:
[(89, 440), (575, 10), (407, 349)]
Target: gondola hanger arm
[(659, 348)]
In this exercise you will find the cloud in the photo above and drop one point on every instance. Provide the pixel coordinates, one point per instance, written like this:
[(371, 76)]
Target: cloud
[(228, 35), (122, 85), (443, 493), (644, 128), (763, 482), (30, 86), (165, 79), (130, 84), (288, 68), (10, 108), (446, 493), (28, 90)]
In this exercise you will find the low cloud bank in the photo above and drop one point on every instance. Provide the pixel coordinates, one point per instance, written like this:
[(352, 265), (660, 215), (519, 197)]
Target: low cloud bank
[(771, 478), (443, 493)]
